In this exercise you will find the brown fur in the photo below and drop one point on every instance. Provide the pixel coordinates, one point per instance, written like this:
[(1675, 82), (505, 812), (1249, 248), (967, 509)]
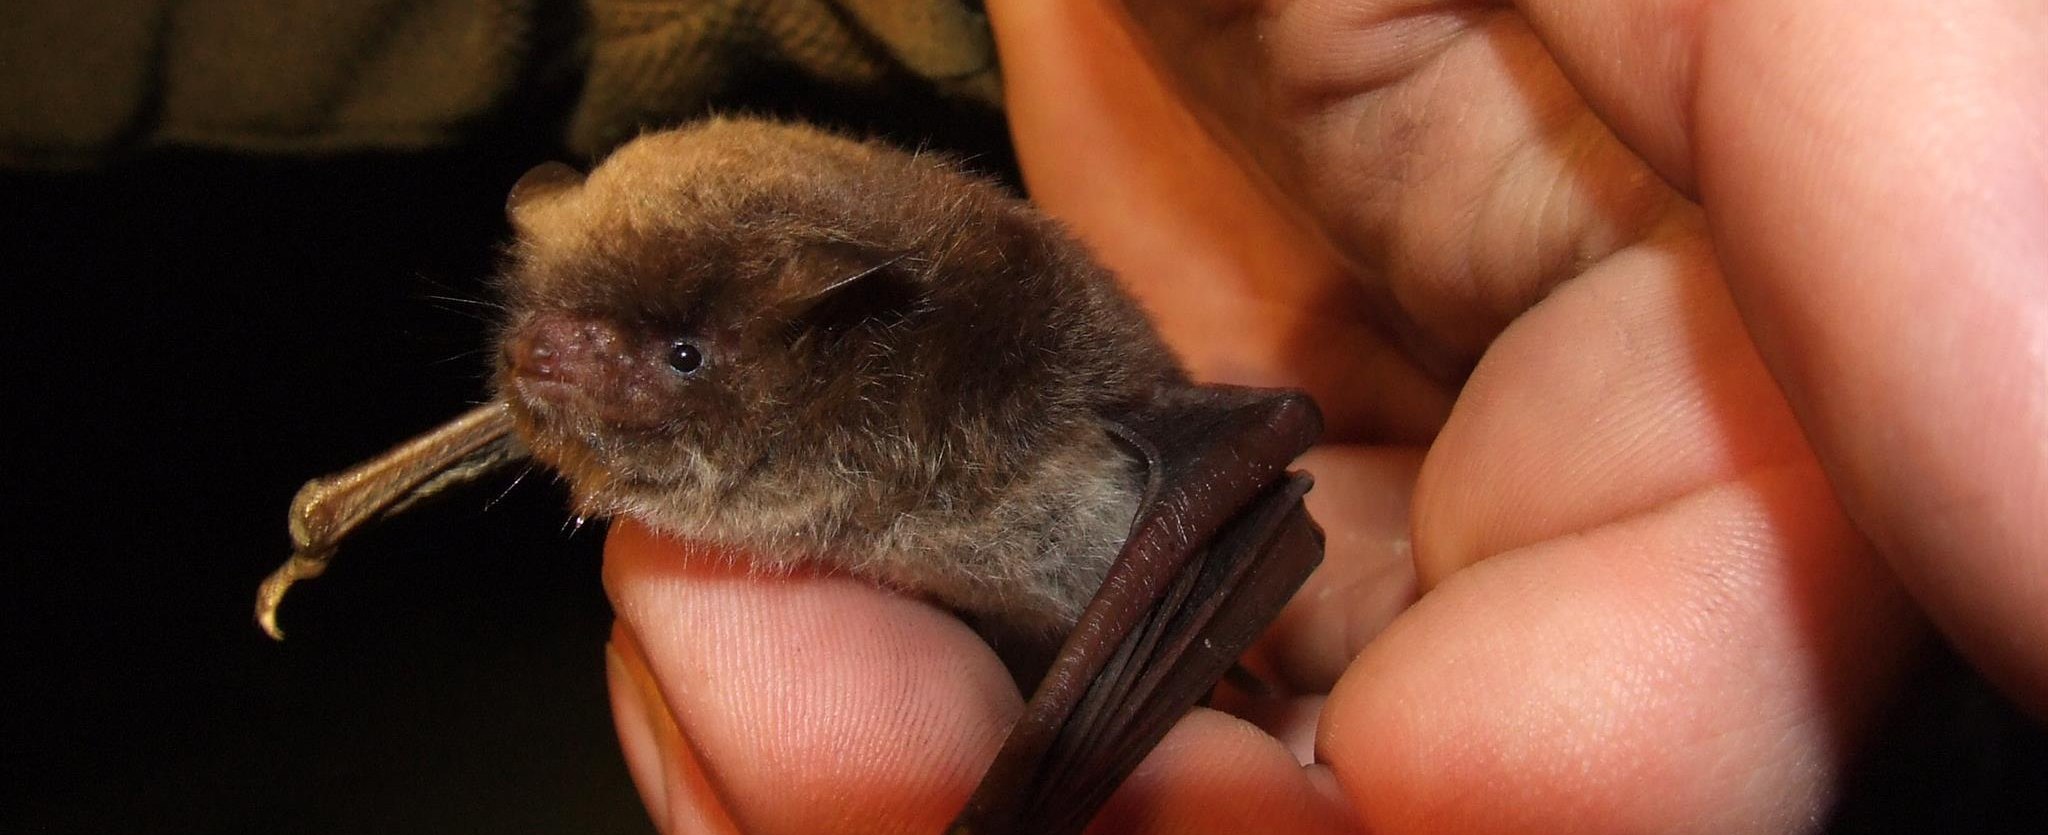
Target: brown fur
[(954, 446)]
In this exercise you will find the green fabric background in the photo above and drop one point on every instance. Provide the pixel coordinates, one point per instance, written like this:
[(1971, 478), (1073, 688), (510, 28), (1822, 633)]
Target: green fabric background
[(83, 81)]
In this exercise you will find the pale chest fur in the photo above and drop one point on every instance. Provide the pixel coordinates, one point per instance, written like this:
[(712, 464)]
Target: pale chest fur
[(1026, 552)]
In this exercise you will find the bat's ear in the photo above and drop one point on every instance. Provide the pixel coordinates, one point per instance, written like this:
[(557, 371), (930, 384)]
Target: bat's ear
[(860, 291), (543, 185)]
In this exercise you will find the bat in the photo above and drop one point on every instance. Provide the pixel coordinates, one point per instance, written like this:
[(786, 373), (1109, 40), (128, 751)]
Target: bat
[(840, 354)]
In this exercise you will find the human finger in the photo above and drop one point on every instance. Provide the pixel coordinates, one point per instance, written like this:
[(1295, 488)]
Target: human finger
[(737, 693), (748, 691), (1646, 611)]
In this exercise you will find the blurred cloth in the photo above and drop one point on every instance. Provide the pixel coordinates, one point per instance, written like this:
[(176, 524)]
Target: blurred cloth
[(83, 81)]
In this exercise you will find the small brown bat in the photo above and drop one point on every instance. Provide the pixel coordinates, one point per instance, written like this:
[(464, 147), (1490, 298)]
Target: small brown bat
[(834, 353)]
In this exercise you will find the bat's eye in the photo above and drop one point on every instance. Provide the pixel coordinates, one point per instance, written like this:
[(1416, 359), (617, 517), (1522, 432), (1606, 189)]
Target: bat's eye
[(685, 358)]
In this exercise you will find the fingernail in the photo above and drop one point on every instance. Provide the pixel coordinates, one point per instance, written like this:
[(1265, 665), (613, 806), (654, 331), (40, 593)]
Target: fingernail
[(632, 707), (671, 778)]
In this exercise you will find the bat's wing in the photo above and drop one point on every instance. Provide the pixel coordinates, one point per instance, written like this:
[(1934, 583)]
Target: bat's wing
[(1219, 545), (328, 509)]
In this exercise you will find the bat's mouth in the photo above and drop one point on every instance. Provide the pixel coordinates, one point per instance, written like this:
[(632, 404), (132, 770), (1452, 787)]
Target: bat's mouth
[(553, 401), (570, 409)]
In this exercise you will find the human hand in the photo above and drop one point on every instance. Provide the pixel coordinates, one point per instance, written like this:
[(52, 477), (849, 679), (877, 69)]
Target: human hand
[(1645, 608)]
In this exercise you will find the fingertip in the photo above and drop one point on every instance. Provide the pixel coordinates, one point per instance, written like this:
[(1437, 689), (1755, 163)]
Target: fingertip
[(1217, 773), (635, 722), (1361, 501), (1704, 667), (880, 711), (671, 782)]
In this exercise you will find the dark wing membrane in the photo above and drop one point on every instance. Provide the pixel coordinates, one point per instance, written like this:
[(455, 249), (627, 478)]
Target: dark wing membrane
[(1220, 544)]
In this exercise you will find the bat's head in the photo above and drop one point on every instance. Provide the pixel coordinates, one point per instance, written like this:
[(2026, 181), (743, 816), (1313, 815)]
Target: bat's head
[(741, 324)]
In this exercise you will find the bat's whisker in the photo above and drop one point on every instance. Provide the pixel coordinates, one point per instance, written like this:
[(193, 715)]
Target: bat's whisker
[(523, 473)]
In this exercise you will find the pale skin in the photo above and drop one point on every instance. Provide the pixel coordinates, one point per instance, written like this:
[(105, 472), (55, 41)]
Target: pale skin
[(1754, 299)]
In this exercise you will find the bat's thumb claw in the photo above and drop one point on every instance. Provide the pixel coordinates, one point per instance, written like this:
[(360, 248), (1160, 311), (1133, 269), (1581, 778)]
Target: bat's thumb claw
[(266, 618), (270, 595)]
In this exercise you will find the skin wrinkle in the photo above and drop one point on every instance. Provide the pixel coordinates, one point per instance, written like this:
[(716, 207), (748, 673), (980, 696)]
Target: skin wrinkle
[(1354, 50), (1421, 285), (1561, 132), (1504, 283), (1590, 42)]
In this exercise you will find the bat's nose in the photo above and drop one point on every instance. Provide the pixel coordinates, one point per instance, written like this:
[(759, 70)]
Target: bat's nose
[(563, 348), (570, 364)]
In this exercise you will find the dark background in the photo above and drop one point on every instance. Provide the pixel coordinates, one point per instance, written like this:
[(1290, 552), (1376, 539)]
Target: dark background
[(193, 335)]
